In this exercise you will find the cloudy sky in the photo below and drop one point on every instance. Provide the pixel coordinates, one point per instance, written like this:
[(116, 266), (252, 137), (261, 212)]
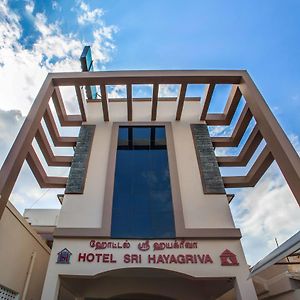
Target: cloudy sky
[(37, 37)]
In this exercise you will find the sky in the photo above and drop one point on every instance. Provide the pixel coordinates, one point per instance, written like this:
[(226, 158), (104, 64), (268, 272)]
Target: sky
[(37, 37)]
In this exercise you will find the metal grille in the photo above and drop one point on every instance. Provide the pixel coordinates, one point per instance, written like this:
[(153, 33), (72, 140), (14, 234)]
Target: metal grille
[(7, 294)]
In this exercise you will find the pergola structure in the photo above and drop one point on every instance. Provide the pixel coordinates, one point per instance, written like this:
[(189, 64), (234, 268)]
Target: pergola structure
[(266, 127)]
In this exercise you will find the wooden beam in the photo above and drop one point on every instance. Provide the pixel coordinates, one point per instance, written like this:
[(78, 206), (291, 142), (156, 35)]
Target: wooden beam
[(209, 89), (18, 152), (80, 97), (260, 166), (147, 77), (58, 141), (64, 119), (154, 101), (238, 132), (104, 102), (40, 174), (225, 118), (277, 141), (51, 159), (181, 98), (160, 99), (129, 102), (246, 153)]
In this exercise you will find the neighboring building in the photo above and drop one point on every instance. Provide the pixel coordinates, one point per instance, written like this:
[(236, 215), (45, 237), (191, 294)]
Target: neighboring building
[(24, 258), (145, 214), (43, 221), (277, 276)]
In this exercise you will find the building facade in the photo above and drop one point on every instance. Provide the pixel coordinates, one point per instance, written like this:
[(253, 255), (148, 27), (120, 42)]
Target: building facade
[(145, 213)]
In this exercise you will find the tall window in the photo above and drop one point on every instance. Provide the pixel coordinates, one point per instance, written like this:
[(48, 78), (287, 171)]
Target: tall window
[(142, 199)]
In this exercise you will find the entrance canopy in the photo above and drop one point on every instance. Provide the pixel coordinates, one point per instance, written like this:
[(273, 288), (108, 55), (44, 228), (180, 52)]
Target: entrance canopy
[(144, 283)]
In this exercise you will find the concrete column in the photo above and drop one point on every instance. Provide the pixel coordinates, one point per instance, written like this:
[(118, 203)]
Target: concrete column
[(244, 288), (51, 286)]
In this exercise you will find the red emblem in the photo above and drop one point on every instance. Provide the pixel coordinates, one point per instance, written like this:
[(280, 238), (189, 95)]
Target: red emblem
[(228, 258)]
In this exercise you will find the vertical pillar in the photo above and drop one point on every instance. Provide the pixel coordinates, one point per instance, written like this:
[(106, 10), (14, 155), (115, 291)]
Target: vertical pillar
[(244, 288), (51, 286)]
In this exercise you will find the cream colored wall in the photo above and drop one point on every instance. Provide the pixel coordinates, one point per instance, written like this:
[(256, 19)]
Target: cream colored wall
[(200, 210), (85, 211), (17, 244), (275, 283), (212, 247)]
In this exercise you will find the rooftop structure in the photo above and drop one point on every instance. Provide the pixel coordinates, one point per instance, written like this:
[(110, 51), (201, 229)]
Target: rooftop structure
[(145, 212)]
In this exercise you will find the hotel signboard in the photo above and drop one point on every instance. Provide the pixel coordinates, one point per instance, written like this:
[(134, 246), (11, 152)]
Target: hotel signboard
[(148, 252)]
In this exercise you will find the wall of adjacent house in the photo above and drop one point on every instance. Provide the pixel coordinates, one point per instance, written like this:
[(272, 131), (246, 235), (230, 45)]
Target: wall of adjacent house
[(21, 249)]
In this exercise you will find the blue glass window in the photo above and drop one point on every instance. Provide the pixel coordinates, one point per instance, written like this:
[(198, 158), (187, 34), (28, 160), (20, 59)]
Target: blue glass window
[(142, 199)]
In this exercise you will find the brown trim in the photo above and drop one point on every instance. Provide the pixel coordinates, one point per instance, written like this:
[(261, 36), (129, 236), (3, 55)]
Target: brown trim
[(80, 97), (109, 186), (246, 153), (159, 99), (260, 166), (231, 105), (53, 131), (238, 132), (277, 141), (147, 77), (174, 178), (18, 152), (129, 102), (202, 233), (154, 102), (40, 174), (208, 92), (110, 180), (181, 98), (51, 159), (104, 102), (64, 119)]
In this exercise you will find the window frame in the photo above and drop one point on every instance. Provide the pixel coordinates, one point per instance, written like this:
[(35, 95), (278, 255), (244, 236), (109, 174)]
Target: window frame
[(174, 179)]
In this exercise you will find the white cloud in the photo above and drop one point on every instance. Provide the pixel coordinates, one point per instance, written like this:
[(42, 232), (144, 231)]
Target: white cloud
[(168, 90), (265, 212), (22, 72), (89, 16), (29, 6)]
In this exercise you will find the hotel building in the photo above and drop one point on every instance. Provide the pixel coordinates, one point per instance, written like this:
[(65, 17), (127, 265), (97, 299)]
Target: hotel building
[(145, 213)]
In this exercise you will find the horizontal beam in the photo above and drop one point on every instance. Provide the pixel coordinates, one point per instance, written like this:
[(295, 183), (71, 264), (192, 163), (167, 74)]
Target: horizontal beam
[(230, 108), (147, 77), (40, 174), (159, 99), (246, 153), (64, 119), (238, 132), (58, 141), (258, 169), (51, 159)]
